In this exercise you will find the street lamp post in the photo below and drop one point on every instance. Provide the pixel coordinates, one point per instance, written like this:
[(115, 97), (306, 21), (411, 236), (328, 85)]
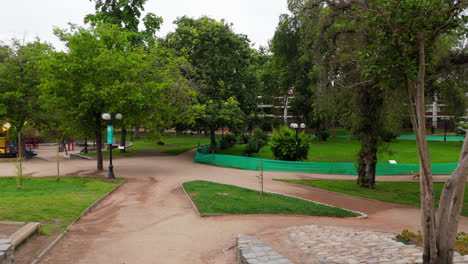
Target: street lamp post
[(110, 138), (296, 127)]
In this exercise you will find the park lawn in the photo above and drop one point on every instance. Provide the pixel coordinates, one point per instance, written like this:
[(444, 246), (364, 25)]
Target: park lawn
[(173, 145), (55, 204), (345, 150), (394, 192), (215, 198)]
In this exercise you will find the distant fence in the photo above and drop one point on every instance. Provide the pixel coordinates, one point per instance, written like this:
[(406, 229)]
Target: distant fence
[(341, 168), (428, 137)]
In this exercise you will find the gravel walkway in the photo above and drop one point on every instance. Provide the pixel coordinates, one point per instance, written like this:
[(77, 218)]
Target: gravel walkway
[(331, 244)]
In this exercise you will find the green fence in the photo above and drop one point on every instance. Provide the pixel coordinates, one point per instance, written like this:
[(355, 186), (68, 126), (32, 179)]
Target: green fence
[(428, 137), (342, 168)]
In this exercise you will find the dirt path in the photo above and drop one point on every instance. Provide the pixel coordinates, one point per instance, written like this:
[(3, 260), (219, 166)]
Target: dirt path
[(150, 220)]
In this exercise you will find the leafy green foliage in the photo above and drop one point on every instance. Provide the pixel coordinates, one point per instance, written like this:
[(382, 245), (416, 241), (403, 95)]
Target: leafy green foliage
[(20, 76), (254, 145), (126, 15), (283, 144), (461, 244), (260, 134), (104, 72), (228, 141), (222, 71)]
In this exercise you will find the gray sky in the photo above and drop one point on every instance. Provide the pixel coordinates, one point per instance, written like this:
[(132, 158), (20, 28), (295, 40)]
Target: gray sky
[(26, 19)]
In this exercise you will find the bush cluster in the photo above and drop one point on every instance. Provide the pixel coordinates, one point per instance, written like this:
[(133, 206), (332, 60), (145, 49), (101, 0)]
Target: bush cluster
[(461, 244), (255, 143), (283, 144), (228, 141)]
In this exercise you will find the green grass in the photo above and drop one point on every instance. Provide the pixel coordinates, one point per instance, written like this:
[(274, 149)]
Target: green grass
[(345, 150), (215, 198), (173, 145), (54, 204), (394, 192)]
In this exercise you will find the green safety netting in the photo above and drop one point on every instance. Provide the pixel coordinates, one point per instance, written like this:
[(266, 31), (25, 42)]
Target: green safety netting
[(343, 168), (428, 137)]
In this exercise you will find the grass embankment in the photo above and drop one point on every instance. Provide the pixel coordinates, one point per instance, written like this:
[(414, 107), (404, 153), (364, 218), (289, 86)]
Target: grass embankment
[(345, 150), (394, 192), (173, 145), (54, 204), (215, 198)]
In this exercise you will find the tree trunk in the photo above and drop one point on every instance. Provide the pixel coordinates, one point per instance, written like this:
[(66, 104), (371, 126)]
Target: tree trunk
[(123, 137), (416, 105), (451, 202), (98, 134), (319, 131), (20, 165), (212, 140), (333, 128), (137, 134), (369, 102), (367, 162)]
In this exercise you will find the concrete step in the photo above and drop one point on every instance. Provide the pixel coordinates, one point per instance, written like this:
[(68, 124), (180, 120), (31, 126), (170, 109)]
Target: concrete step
[(24, 232)]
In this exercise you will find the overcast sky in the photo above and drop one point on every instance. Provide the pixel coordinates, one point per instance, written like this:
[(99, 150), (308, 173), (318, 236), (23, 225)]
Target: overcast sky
[(27, 19)]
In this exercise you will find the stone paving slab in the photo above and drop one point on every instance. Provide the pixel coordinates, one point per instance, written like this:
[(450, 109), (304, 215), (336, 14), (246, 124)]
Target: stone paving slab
[(6, 256), (250, 250), (337, 245)]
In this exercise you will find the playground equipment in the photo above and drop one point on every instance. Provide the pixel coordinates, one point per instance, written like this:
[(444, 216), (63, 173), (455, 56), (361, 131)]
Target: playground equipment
[(3, 142), (7, 150)]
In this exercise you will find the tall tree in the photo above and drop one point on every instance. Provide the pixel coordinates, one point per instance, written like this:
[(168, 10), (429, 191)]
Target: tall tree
[(20, 77), (126, 15), (403, 36), (102, 71), (221, 62)]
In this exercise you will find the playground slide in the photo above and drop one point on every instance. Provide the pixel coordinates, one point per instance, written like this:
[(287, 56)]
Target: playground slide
[(2, 145)]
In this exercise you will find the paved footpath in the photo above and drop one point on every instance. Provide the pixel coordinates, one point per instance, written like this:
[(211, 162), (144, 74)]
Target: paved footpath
[(329, 244), (150, 220)]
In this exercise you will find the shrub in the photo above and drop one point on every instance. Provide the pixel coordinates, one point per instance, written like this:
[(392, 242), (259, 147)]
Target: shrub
[(245, 138), (325, 135), (283, 144), (260, 134), (266, 124), (389, 136), (254, 145), (228, 141), (461, 244), (251, 147)]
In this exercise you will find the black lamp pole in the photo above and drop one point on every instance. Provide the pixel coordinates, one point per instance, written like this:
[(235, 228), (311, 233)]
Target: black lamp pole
[(111, 167), (110, 142), (296, 142)]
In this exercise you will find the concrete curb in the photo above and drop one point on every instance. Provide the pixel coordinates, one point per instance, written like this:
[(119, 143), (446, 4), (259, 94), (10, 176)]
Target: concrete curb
[(362, 215), (24, 232), (190, 199), (48, 248)]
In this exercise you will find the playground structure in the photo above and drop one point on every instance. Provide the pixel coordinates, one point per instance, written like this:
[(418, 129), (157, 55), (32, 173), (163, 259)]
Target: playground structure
[(6, 150), (10, 149)]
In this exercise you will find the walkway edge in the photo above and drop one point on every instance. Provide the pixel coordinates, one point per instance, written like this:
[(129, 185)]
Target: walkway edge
[(362, 215), (38, 259), (190, 199)]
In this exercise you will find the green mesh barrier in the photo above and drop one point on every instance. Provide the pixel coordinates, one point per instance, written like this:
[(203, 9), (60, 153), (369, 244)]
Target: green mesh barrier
[(433, 138), (341, 168), (428, 137)]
